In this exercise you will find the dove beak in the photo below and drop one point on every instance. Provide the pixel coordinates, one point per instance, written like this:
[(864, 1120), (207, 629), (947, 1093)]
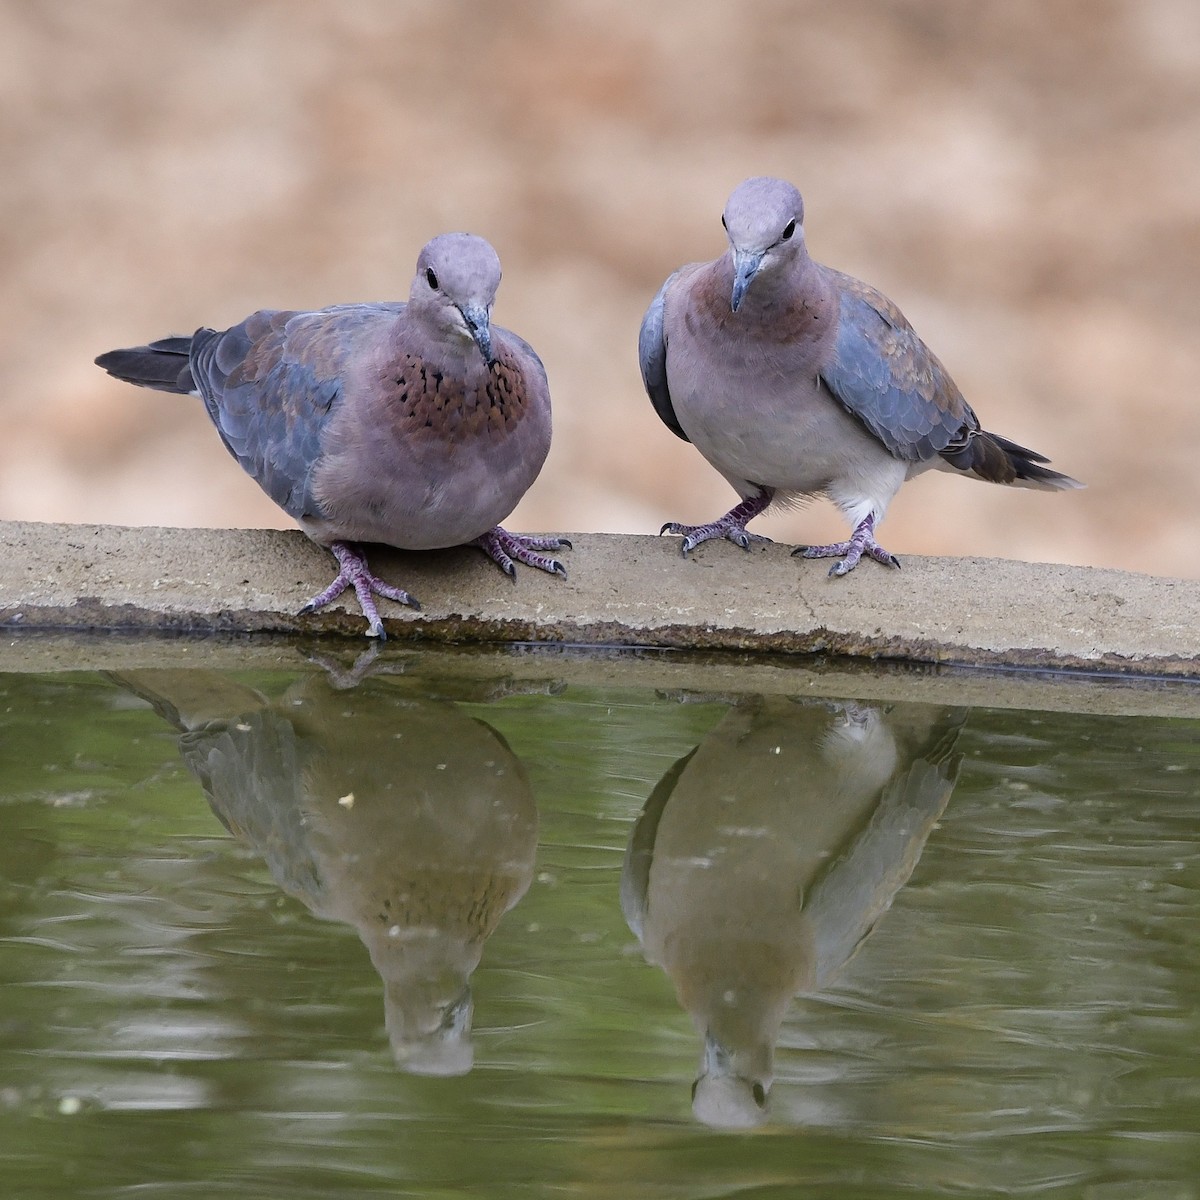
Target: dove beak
[(479, 327), (716, 1057), (745, 267)]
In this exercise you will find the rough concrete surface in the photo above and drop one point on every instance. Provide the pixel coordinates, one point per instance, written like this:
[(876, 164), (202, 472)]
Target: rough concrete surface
[(622, 591)]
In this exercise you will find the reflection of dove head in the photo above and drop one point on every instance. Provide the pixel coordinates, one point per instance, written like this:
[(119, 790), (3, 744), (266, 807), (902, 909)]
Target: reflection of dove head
[(737, 990), (731, 1091), (427, 1000)]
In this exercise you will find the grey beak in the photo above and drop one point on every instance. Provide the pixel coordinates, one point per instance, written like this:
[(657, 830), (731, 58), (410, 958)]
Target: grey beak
[(716, 1057), (481, 330), (745, 267)]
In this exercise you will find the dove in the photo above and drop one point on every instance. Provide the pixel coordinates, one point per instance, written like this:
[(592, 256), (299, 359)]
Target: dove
[(766, 855), (794, 380), (415, 424)]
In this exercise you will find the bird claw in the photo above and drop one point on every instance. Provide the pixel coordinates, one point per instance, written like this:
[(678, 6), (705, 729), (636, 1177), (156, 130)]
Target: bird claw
[(697, 535), (743, 538), (861, 542), (507, 549), (732, 525), (353, 572)]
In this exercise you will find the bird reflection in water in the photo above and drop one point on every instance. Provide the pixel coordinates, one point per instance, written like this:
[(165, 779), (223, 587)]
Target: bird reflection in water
[(765, 856), (402, 817)]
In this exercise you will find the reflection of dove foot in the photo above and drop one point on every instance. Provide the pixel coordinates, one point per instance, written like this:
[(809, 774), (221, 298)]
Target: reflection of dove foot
[(344, 678)]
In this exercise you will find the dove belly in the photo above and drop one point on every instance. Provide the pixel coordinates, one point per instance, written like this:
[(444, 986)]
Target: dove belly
[(424, 497), (795, 439)]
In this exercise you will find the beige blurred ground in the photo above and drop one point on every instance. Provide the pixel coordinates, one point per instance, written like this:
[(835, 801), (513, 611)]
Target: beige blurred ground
[(1022, 178)]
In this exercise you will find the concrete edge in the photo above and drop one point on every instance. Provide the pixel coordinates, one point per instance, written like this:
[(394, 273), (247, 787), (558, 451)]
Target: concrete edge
[(623, 591)]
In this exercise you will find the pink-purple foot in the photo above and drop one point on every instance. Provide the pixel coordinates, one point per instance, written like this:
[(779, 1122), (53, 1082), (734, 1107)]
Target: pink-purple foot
[(732, 525), (507, 549), (862, 541), (353, 572)]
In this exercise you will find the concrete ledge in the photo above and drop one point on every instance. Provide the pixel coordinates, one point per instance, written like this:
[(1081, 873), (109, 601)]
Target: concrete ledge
[(622, 591)]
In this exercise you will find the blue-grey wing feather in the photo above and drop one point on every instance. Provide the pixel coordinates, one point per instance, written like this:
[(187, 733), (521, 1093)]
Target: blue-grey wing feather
[(652, 355), (890, 380), (252, 769), (270, 384)]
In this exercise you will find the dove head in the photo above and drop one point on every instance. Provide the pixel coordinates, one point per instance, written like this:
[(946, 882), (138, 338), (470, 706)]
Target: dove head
[(454, 287), (764, 219)]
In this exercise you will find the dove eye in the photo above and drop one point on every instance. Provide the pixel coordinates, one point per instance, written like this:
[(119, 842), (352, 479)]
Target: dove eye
[(788, 230), (431, 278)]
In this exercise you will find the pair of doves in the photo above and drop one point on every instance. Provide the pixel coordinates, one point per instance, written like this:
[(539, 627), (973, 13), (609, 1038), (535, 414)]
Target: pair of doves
[(421, 424)]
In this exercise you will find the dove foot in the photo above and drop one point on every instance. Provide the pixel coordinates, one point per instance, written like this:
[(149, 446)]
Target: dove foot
[(862, 541), (354, 573), (732, 525), (507, 549)]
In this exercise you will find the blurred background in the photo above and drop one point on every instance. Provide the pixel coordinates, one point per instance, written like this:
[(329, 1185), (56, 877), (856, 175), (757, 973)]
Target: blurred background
[(1023, 179)]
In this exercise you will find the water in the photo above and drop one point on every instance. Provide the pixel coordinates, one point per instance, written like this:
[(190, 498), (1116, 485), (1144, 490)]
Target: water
[(264, 935)]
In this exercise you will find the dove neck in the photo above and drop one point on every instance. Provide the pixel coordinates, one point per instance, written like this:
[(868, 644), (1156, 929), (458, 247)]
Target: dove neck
[(789, 303), (780, 283)]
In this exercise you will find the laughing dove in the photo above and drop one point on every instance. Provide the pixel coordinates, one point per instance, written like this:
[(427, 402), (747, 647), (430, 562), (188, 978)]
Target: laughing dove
[(418, 424), (795, 380), (764, 858), (399, 816)]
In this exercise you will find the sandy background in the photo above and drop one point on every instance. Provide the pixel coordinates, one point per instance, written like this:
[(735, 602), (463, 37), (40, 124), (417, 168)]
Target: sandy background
[(1022, 178)]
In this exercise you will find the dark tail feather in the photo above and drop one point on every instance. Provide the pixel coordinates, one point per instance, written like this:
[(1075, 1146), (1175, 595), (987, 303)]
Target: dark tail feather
[(162, 365), (994, 458)]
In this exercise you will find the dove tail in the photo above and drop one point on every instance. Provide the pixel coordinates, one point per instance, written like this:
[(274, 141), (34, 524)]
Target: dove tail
[(163, 365), (994, 458)]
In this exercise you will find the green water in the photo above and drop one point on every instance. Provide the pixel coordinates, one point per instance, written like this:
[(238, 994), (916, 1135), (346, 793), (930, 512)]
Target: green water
[(264, 937)]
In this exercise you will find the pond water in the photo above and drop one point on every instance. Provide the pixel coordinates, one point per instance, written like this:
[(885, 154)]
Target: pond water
[(273, 935)]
